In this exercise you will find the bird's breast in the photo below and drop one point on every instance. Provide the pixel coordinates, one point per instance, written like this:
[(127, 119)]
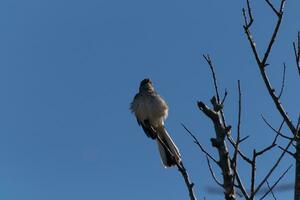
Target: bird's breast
[(152, 108)]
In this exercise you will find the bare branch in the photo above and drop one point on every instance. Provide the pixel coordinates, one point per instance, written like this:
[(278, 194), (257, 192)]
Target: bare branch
[(265, 149), (232, 142), (209, 62), (283, 81), (248, 24), (297, 52), (273, 195), (277, 102), (222, 130), (253, 170), (219, 143), (236, 147), (188, 183), (298, 124), (215, 100), (234, 159), (212, 173), (272, 7), (287, 151), (183, 172), (273, 186), (244, 138), (263, 63), (196, 141), (249, 12), (274, 167), (281, 6), (224, 98), (276, 131), (240, 185), (279, 15)]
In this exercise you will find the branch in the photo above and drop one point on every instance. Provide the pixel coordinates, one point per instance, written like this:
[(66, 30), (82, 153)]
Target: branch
[(297, 52), (241, 185), (224, 98), (244, 138), (263, 63), (273, 186), (248, 24), (283, 81), (217, 104), (253, 170), (212, 173), (273, 195), (209, 62), (279, 15), (298, 124), (272, 7), (253, 166), (274, 166), (183, 172), (234, 159), (187, 181), (196, 141), (232, 142), (221, 129), (277, 131), (219, 143), (265, 149), (287, 151), (236, 147)]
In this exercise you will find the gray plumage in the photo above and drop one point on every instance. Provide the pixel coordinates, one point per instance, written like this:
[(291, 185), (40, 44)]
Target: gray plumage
[(151, 111)]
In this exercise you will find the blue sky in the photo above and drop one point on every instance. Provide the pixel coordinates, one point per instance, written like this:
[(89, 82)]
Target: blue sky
[(69, 70)]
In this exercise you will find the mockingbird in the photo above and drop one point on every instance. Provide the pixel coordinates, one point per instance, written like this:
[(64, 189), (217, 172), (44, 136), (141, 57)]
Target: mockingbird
[(151, 111)]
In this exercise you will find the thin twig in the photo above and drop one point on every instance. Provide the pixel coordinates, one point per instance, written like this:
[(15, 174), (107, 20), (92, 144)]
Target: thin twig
[(273, 186), (244, 138), (209, 62), (238, 131), (283, 81), (212, 173), (276, 131), (279, 15), (273, 195), (272, 7), (241, 186), (292, 154), (188, 183), (196, 141), (262, 64), (298, 124), (266, 149), (274, 167), (297, 52), (253, 170), (250, 14), (244, 157), (182, 170), (224, 98)]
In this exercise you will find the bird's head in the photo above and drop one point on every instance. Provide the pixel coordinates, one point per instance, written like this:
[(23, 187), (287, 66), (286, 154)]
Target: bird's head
[(146, 85)]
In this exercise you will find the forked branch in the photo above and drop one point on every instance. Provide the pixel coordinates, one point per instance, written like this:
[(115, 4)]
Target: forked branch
[(262, 63)]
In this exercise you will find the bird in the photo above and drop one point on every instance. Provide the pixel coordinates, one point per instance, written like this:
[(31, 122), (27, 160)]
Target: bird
[(151, 111)]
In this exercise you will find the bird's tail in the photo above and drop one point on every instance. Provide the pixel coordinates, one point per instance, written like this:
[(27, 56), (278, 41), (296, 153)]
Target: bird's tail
[(168, 150)]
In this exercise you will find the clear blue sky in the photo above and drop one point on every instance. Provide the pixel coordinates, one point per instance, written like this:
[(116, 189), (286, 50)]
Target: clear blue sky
[(69, 69)]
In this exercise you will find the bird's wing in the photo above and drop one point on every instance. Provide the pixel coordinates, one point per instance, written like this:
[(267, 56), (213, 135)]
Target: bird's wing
[(148, 129)]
